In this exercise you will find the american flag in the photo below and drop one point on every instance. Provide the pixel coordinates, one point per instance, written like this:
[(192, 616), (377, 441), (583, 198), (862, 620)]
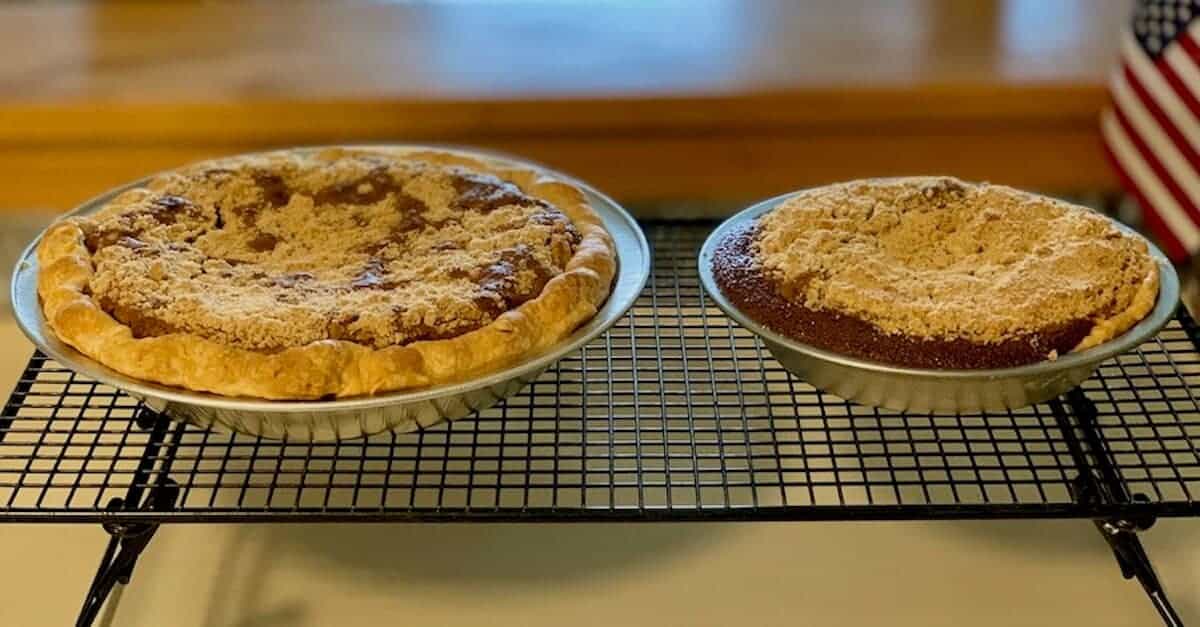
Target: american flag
[(1152, 129)]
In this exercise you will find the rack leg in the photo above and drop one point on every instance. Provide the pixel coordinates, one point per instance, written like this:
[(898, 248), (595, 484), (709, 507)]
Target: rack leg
[(128, 540), (1098, 482), (1121, 536), (125, 544)]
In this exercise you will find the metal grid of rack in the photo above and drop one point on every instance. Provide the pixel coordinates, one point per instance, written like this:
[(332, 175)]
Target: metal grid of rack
[(675, 413)]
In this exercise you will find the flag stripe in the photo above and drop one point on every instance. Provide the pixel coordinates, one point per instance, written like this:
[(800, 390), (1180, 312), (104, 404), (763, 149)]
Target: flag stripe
[(1170, 244), (1182, 59), (1158, 141), (1167, 69), (1154, 197), (1150, 159), (1153, 108), (1188, 40), (1160, 91)]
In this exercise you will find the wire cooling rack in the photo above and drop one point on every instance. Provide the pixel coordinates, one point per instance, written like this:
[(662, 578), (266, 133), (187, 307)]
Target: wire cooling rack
[(676, 413)]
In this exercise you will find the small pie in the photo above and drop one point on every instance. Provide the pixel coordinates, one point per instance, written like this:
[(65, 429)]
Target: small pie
[(325, 273), (932, 272)]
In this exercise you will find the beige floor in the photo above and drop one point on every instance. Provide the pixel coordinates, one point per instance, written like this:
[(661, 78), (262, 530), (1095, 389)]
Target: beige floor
[(946, 573)]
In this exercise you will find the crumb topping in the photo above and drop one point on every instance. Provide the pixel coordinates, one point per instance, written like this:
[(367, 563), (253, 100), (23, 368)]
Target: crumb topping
[(942, 259), (268, 252)]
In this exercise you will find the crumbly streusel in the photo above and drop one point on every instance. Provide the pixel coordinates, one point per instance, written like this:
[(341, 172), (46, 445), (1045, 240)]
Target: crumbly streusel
[(274, 251), (940, 258)]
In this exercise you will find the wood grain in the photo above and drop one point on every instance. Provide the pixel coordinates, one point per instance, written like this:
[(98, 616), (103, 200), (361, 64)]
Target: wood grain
[(648, 100)]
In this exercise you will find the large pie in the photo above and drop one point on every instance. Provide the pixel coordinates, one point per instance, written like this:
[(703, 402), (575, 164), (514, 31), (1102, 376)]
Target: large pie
[(327, 273), (933, 272)]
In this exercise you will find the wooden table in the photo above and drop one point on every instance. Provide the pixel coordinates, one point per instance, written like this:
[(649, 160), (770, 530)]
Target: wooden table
[(655, 100)]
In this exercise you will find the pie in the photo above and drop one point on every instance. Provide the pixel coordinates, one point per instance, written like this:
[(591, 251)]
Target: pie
[(323, 273), (933, 272)]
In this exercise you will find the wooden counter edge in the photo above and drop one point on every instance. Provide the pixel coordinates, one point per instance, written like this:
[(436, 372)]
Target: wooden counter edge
[(839, 109), (730, 146)]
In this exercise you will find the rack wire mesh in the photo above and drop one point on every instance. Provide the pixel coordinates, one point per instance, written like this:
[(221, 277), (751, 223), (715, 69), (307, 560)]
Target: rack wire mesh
[(675, 413)]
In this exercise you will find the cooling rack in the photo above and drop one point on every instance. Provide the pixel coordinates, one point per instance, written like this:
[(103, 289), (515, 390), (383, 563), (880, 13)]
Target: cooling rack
[(675, 414)]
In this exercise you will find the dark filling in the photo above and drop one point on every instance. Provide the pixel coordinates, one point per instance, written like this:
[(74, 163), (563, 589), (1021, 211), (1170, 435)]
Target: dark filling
[(374, 276), (291, 279), (499, 290), (412, 212), (274, 189), (368, 189), (371, 188), (263, 242), (498, 282), (142, 324), (338, 327), (96, 238), (423, 332), (164, 210), (485, 194), (742, 281)]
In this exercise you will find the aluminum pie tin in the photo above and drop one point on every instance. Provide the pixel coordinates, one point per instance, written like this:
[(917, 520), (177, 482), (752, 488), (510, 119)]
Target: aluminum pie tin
[(403, 411), (919, 390)]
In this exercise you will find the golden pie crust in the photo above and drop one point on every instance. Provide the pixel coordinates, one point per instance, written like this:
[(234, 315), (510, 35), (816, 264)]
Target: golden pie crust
[(326, 273)]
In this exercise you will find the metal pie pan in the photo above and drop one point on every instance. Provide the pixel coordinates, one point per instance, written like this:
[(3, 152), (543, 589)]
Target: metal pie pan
[(339, 419), (933, 390)]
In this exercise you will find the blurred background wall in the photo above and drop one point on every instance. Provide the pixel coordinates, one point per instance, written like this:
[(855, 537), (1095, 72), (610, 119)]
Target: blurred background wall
[(648, 99)]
